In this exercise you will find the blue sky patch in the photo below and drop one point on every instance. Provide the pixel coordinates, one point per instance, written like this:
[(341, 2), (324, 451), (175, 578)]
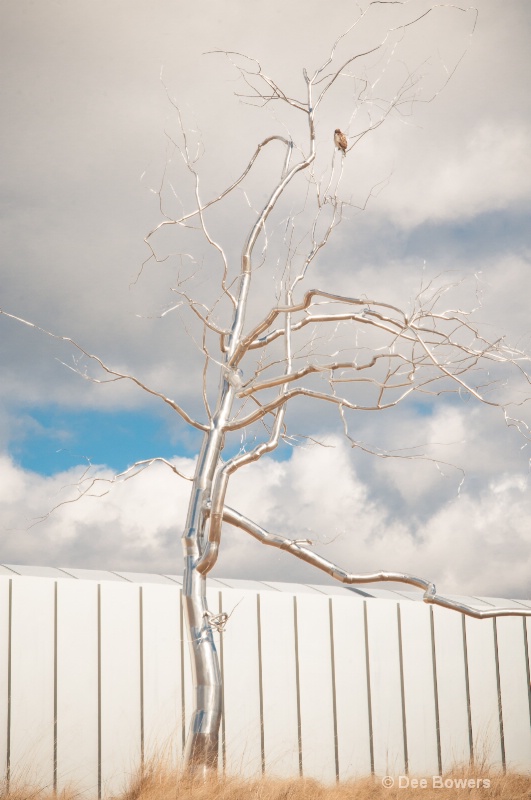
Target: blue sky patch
[(54, 439)]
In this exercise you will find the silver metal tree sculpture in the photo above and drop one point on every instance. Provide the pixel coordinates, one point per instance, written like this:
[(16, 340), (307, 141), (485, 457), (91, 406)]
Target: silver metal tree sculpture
[(304, 344)]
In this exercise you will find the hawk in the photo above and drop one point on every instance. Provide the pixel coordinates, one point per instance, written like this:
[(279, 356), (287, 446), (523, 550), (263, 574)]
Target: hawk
[(340, 141)]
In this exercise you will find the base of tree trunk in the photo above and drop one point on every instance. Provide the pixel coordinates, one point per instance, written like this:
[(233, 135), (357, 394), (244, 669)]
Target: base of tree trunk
[(201, 755)]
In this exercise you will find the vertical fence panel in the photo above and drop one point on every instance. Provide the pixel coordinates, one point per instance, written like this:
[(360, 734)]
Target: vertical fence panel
[(386, 691), (161, 658), (484, 709), (32, 682), (452, 690), (241, 683), (4, 672), (316, 687), (514, 688), (527, 637), (279, 672), (77, 686), (419, 689), (120, 684), (352, 701)]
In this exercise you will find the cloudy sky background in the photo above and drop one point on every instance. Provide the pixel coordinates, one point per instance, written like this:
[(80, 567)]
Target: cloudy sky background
[(84, 116)]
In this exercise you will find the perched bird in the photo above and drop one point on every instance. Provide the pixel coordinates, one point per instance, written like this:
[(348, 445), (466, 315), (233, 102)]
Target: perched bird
[(340, 141)]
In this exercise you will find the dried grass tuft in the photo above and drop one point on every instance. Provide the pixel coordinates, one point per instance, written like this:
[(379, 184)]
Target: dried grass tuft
[(159, 783)]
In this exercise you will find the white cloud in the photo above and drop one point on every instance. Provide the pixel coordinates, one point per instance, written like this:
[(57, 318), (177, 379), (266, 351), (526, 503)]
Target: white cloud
[(488, 171), (470, 544), (132, 525)]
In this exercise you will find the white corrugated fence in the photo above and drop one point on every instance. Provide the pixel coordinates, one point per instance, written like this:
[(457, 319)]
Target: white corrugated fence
[(323, 681)]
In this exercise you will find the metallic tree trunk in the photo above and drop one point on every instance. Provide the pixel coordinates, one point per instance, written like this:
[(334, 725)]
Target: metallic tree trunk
[(201, 752)]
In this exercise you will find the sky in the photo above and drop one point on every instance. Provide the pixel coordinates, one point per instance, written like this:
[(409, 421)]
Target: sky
[(88, 96)]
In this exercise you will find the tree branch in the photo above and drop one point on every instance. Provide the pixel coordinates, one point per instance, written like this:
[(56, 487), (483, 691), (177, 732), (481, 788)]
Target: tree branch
[(181, 220), (118, 376), (86, 491), (304, 554)]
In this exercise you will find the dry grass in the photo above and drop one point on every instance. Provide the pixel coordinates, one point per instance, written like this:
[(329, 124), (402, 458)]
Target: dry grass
[(161, 784)]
